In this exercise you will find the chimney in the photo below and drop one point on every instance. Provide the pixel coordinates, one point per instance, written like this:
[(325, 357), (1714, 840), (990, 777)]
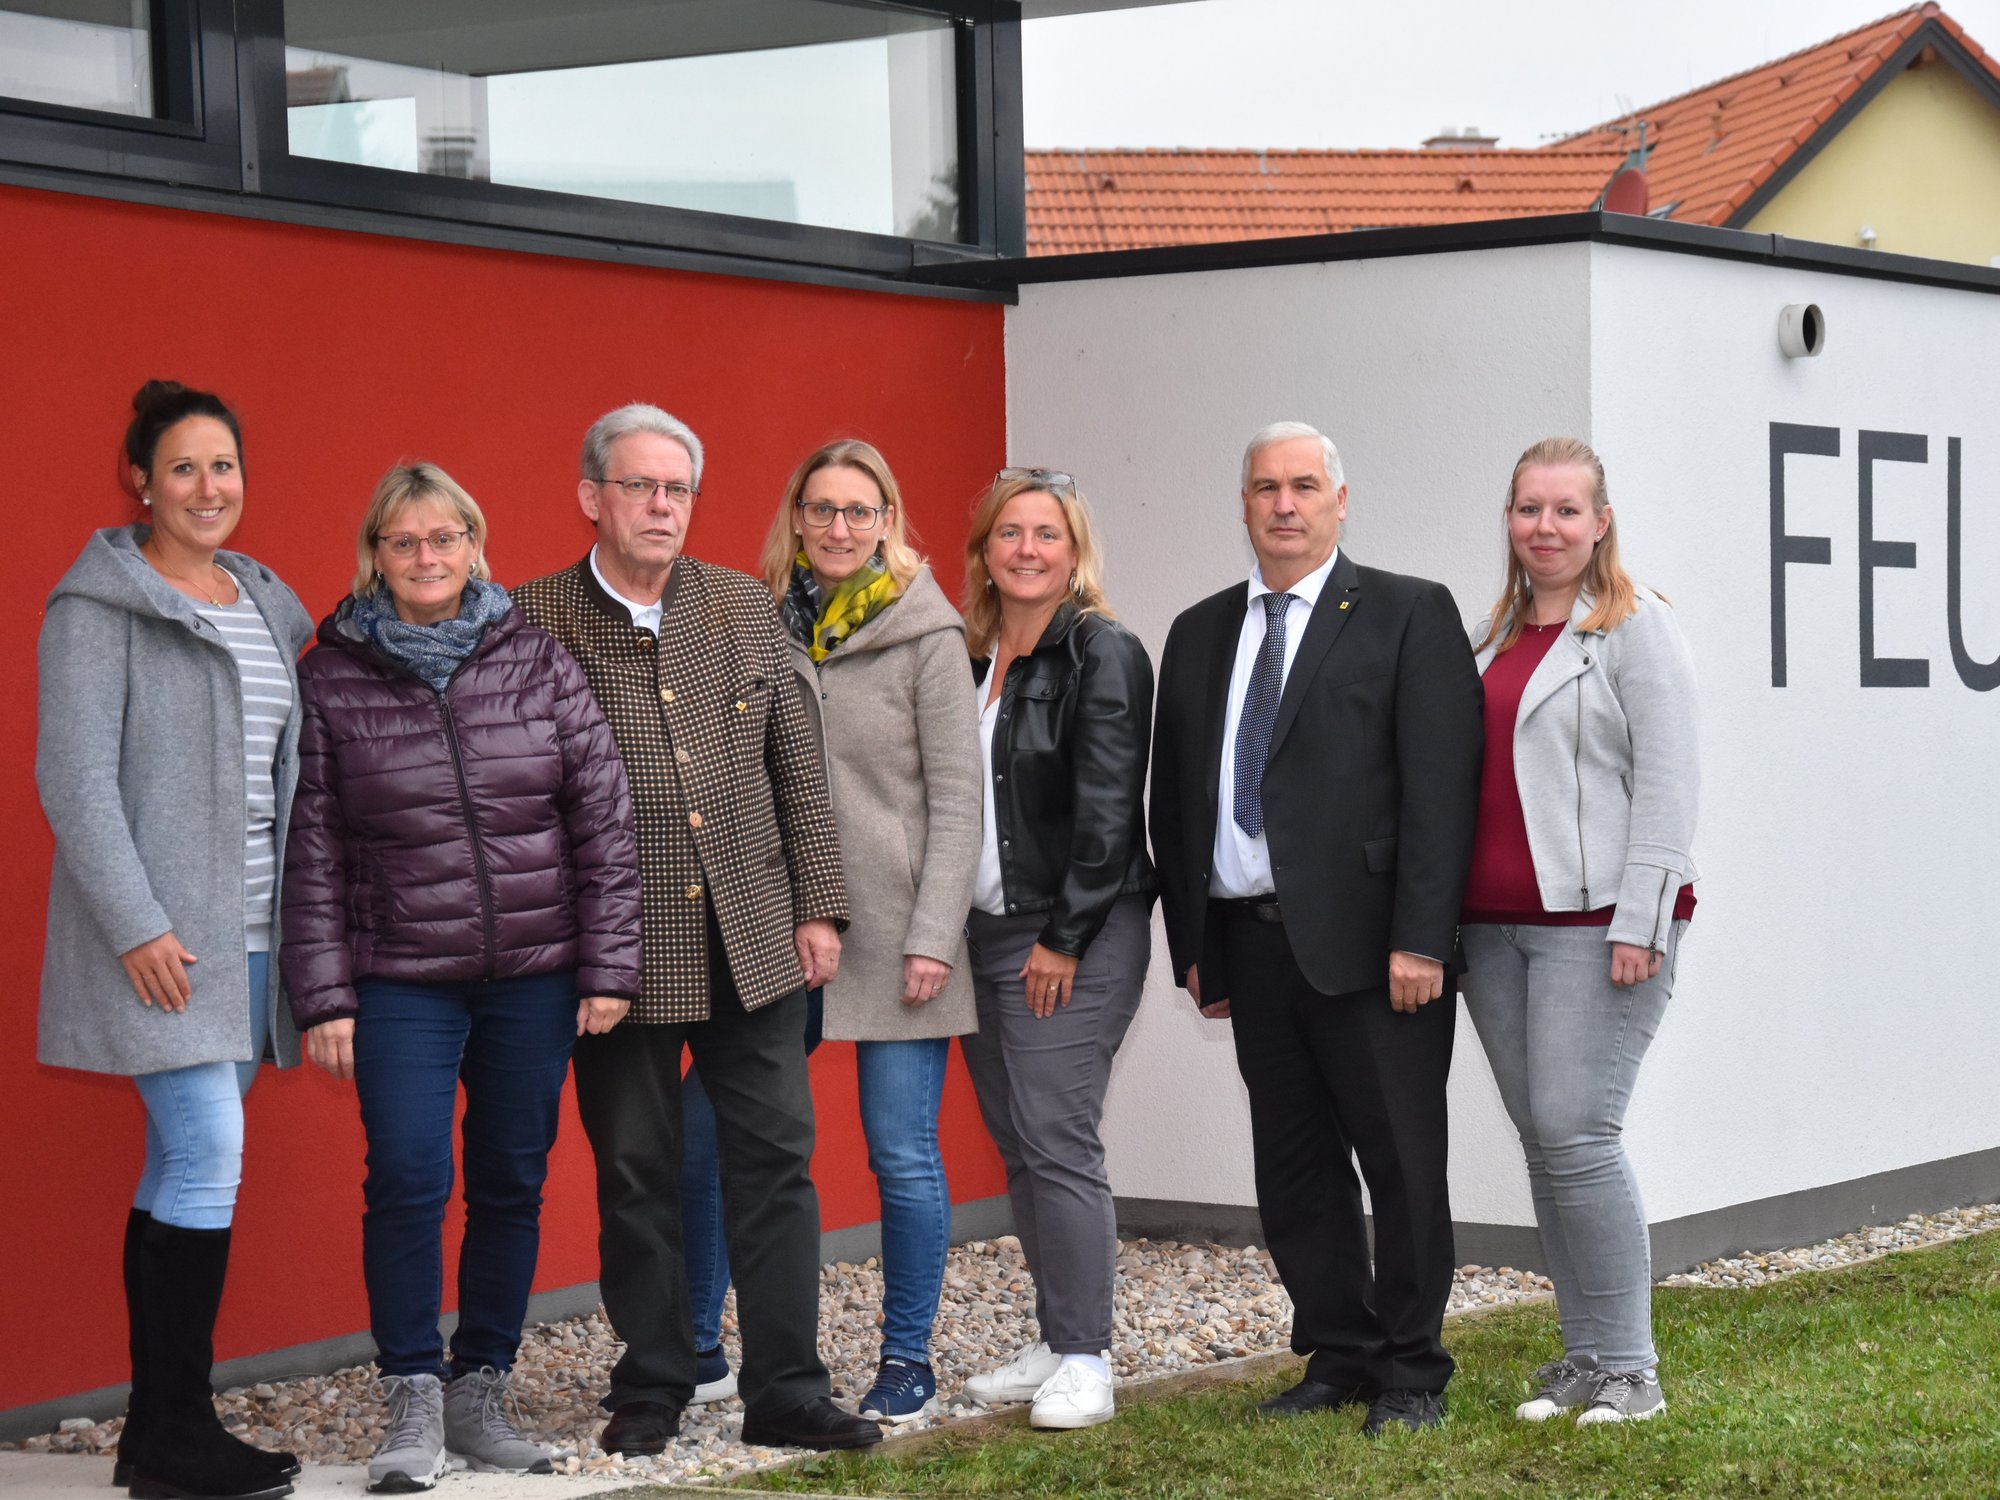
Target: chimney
[(1451, 139)]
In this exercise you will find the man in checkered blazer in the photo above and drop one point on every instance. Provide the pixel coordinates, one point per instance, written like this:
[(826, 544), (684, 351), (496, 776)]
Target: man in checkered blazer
[(743, 899)]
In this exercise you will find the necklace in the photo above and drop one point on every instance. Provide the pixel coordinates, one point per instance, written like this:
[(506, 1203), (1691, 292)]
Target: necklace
[(186, 583)]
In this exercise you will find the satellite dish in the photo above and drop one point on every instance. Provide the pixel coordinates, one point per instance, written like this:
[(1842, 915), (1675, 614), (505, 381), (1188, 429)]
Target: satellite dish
[(1627, 193)]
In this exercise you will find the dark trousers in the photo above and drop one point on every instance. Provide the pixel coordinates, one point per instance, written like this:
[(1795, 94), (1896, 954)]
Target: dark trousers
[(508, 1041), (1331, 1078), (628, 1091)]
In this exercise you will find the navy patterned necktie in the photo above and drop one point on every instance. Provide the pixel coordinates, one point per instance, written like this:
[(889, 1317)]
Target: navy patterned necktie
[(1260, 716)]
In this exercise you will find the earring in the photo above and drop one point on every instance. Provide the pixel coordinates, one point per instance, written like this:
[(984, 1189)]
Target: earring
[(145, 499), (1072, 583), (989, 582)]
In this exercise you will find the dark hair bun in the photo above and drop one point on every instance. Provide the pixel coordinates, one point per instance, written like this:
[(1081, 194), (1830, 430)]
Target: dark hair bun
[(159, 406)]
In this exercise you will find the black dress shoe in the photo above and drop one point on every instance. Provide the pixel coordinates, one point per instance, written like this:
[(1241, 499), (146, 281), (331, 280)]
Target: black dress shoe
[(1311, 1395), (816, 1424), (641, 1427), (1415, 1410)]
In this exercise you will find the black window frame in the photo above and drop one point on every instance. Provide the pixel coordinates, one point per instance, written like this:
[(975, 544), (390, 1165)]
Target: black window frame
[(193, 137), (220, 72)]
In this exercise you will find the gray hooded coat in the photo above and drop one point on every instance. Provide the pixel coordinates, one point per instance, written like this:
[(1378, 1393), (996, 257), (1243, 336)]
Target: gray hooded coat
[(139, 762), (895, 708)]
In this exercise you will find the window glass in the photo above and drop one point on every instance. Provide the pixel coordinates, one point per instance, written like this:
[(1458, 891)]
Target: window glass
[(88, 54), (828, 112)]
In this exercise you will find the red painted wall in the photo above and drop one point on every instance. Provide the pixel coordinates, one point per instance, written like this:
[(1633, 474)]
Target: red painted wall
[(344, 353)]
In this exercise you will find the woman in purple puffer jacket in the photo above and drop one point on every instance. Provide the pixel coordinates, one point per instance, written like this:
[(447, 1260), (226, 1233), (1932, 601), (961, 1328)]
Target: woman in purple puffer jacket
[(461, 901)]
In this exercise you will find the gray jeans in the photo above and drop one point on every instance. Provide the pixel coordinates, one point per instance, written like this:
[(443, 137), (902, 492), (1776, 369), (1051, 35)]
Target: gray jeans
[(1565, 1044), (1041, 1086)]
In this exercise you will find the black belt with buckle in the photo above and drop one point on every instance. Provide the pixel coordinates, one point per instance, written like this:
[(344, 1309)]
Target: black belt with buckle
[(1249, 908)]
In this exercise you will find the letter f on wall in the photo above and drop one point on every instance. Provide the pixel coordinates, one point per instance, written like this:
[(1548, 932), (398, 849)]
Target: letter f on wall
[(1791, 437)]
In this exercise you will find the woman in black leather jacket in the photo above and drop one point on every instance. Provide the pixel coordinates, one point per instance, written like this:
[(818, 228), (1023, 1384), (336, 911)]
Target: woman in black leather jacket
[(1060, 930)]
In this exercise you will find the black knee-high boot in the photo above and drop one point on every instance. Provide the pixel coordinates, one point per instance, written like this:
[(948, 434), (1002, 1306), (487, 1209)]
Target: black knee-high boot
[(135, 1404), (183, 1453)]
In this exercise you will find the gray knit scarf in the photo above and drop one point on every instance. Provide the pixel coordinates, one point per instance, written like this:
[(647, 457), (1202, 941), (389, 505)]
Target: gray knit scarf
[(433, 652)]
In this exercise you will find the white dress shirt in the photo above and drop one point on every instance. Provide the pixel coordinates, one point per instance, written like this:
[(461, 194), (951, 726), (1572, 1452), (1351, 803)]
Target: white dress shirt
[(1242, 864), (645, 616)]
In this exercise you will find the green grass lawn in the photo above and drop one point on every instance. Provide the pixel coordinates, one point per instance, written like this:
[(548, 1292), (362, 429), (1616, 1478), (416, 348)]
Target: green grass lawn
[(1882, 1379)]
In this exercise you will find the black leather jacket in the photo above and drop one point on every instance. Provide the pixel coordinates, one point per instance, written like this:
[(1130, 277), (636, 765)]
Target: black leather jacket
[(1069, 772)]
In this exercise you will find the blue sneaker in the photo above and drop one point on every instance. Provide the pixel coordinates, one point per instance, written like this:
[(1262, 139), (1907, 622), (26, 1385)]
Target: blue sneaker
[(902, 1391), (713, 1379)]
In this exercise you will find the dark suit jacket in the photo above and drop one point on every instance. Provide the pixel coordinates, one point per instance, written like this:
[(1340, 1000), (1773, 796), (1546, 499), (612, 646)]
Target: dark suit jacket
[(1371, 790)]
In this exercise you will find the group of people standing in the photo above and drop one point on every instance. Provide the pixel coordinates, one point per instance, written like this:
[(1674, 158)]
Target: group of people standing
[(649, 807)]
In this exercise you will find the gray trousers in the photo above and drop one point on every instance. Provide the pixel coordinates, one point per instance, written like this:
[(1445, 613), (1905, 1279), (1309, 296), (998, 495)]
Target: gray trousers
[(1565, 1044), (1041, 1087)]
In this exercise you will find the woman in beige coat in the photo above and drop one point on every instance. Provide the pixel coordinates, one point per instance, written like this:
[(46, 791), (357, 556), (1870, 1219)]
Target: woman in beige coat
[(880, 658)]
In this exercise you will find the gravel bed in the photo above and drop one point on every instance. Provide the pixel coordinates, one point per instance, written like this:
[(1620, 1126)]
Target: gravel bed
[(1179, 1306)]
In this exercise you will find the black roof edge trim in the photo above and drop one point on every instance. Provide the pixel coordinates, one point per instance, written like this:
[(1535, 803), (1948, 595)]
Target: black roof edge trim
[(1485, 234), (478, 236)]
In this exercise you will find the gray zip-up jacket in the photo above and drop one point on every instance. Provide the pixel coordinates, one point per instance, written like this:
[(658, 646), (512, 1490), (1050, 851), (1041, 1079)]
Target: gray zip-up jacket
[(1606, 765), (139, 761)]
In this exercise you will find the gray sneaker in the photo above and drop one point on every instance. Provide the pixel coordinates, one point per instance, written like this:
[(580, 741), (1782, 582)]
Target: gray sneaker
[(1560, 1385), (480, 1430), (412, 1455), (1623, 1396)]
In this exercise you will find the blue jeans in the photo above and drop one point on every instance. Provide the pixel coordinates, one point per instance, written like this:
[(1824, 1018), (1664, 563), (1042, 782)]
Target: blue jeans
[(508, 1041), (1565, 1044), (194, 1129), (902, 1086)]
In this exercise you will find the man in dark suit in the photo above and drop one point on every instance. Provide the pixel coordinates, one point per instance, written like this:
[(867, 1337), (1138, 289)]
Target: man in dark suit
[(1315, 781)]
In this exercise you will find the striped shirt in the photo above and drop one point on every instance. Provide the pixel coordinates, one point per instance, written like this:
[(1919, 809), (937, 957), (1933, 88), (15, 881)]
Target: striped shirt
[(267, 704)]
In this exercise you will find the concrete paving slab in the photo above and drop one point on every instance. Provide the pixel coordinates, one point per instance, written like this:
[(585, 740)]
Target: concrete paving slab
[(66, 1476)]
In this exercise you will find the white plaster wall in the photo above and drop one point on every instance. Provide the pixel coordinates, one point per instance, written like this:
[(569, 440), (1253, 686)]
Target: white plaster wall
[(1838, 1012), (1431, 373)]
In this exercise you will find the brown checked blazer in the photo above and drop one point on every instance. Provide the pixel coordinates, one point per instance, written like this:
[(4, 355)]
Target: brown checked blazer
[(726, 780)]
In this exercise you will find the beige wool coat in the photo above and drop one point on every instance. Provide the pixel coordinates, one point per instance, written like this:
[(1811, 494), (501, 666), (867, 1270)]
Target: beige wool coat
[(894, 703)]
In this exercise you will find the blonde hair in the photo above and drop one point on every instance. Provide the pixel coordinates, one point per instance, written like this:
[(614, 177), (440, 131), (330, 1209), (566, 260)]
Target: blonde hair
[(783, 541), (982, 600), (403, 485), (1614, 600)]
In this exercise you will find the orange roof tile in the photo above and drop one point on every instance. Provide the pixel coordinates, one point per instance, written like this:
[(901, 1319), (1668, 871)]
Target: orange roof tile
[(1128, 200), (1714, 147)]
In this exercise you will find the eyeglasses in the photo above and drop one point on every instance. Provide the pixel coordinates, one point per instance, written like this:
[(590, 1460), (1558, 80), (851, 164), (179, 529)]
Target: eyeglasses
[(640, 491), (1053, 480), (819, 515), (443, 543)]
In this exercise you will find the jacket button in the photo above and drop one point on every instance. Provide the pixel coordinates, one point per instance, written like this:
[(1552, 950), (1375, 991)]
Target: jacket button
[(646, 641), (1006, 843), (1011, 906), (666, 695), (999, 775), (681, 757), (694, 893), (694, 820)]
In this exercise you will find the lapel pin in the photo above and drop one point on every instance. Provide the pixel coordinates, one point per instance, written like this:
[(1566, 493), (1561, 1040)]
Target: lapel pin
[(1343, 604)]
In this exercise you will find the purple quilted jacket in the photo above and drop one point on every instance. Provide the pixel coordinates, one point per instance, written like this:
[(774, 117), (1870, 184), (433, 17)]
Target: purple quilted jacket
[(484, 833)]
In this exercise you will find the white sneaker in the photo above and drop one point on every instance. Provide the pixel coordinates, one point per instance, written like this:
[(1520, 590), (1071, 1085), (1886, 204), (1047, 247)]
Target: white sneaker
[(1020, 1379), (1075, 1396)]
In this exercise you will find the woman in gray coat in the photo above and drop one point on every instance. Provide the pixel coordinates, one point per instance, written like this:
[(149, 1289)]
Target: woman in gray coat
[(1578, 897), (880, 660), (168, 714)]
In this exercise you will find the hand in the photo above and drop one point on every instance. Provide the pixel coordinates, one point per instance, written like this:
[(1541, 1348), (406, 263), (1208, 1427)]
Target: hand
[(158, 971), (923, 978), (331, 1045), (1048, 975), (597, 1014), (1631, 964), (1414, 981), (818, 942), (1217, 1010)]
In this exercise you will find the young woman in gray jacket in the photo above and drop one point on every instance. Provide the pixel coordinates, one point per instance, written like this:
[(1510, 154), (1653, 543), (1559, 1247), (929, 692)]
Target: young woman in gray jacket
[(1579, 893), (166, 753)]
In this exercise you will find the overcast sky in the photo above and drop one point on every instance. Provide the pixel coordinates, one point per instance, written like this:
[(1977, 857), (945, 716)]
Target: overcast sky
[(1345, 73)]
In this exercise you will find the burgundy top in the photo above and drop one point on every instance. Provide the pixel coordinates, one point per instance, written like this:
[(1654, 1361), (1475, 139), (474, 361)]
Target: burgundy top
[(1501, 888)]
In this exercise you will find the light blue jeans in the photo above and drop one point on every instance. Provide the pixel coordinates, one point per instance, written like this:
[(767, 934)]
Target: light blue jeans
[(1565, 1044), (901, 1087), (194, 1129)]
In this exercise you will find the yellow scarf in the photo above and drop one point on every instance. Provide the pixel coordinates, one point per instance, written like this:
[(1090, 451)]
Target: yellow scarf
[(853, 603)]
